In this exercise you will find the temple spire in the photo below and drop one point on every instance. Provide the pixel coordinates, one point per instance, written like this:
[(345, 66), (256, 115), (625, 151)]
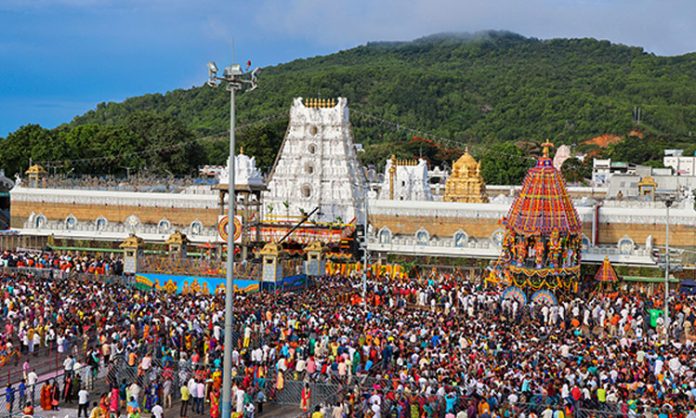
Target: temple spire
[(546, 145)]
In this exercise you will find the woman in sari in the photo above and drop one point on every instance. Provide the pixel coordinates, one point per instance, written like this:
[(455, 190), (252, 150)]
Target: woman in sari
[(280, 381), (215, 403), (305, 397), (55, 396), (46, 396), (151, 397)]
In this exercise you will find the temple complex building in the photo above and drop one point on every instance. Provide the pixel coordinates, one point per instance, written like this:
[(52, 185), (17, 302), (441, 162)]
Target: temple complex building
[(465, 184), (317, 168), (406, 180)]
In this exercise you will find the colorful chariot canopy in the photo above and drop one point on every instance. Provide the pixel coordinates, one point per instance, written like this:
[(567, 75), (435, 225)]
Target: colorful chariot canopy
[(543, 204)]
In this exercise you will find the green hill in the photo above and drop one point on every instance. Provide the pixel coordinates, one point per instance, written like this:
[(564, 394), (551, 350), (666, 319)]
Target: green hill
[(492, 87)]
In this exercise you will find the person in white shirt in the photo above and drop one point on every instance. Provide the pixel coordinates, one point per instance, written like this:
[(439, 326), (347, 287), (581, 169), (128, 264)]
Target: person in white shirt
[(157, 411), (200, 390), (82, 402)]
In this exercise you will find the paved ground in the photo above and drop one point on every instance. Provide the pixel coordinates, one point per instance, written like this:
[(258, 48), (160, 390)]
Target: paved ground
[(269, 411)]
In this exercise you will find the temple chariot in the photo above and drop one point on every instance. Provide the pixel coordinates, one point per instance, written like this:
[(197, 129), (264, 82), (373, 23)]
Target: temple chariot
[(541, 249)]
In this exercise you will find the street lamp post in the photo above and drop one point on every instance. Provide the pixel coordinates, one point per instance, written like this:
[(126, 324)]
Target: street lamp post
[(668, 203), (235, 79), (365, 256)]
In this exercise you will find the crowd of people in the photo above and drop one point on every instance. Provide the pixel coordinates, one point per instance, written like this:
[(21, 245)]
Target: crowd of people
[(66, 263), (441, 345)]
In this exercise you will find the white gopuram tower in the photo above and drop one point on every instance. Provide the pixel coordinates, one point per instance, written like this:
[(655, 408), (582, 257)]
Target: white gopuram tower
[(316, 166)]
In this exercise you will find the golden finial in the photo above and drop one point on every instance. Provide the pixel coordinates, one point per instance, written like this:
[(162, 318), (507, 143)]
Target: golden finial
[(546, 145), (324, 103), (241, 150)]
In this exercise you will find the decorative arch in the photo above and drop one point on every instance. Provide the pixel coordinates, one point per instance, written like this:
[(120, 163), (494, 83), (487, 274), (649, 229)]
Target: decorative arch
[(132, 223), (384, 235), (497, 237), (40, 221), (163, 226), (196, 227), (100, 223), (626, 245), (422, 237), (70, 222), (460, 239)]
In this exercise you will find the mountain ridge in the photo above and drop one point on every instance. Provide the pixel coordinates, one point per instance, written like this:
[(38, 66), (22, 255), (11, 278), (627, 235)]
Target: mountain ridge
[(475, 89)]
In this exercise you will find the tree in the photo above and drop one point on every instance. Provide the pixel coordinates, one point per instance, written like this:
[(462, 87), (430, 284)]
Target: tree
[(636, 150), (28, 142), (575, 171), (504, 163)]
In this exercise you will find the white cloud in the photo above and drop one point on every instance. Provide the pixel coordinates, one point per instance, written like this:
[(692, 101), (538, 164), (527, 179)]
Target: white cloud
[(664, 27)]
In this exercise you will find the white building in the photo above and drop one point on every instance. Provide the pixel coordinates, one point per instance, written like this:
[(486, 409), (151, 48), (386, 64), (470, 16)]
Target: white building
[(245, 172), (682, 165), (317, 165), (603, 169), (406, 180)]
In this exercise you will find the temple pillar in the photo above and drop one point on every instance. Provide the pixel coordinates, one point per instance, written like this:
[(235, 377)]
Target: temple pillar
[(132, 253), (315, 265), (272, 271)]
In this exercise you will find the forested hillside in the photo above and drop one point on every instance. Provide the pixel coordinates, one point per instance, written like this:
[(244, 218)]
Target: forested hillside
[(485, 91)]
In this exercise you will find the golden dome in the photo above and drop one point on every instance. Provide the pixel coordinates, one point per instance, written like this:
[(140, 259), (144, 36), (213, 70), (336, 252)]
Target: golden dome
[(466, 160)]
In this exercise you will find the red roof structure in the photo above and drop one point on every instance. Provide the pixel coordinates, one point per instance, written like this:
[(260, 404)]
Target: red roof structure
[(606, 273), (543, 203)]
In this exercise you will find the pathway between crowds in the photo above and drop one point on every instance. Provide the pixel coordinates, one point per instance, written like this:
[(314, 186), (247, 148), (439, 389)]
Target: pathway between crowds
[(269, 410)]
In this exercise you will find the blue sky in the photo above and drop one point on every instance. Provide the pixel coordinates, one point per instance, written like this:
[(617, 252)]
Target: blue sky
[(59, 58)]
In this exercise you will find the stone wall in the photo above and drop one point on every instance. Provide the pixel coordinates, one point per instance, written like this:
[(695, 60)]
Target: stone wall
[(609, 233), (113, 213)]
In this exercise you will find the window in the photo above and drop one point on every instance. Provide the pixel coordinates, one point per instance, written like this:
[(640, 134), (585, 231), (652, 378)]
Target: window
[(306, 191), (422, 237), (163, 226), (309, 168), (70, 222), (585, 242), (196, 228), (39, 222), (460, 239), (101, 223), (385, 236), (312, 149)]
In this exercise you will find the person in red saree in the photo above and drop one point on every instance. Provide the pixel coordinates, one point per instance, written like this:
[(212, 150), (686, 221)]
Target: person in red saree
[(45, 399), (305, 397), (215, 403), (55, 396)]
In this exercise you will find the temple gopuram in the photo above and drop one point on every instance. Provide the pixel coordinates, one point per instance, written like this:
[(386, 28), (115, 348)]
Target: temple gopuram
[(543, 235), (465, 184)]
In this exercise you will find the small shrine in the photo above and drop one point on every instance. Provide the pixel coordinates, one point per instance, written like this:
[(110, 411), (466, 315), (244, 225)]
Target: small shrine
[(646, 188), (177, 244), (465, 184), (542, 245), (36, 176)]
